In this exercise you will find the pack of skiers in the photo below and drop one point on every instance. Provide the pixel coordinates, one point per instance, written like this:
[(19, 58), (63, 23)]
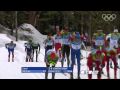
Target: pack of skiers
[(30, 48), (66, 43), (104, 49)]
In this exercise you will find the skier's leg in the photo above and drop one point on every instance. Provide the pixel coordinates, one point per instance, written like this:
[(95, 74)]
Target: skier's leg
[(90, 65), (33, 50), (27, 58), (115, 67), (63, 54), (111, 66), (107, 67), (90, 69), (46, 73), (45, 52), (67, 54), (36, 55), (99, 69), (56, 48), (118, 66), (8, 55), (60, 51), (72, 62), (31, 56), (12, 55), (78, 62), (53, 74)]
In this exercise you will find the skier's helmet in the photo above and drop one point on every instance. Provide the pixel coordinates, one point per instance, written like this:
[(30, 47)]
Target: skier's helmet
[(30, 40), (11, 42)]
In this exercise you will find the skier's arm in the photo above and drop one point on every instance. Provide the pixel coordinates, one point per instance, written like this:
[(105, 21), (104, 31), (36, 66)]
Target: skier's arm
[(25, 48), (14, 45), (6, 45), (84, 45), (45, 43), (39, 47), (53, 43)]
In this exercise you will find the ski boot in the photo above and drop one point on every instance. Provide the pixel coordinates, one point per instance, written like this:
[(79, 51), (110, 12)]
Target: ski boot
[(12, 58), (78, 77), (71, 76), (8, 59), (108, 76)]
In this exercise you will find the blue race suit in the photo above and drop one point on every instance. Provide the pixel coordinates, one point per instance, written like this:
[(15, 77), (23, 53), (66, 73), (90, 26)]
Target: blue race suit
[(75, 53), (10, 47), (28, 48), (49, 44)]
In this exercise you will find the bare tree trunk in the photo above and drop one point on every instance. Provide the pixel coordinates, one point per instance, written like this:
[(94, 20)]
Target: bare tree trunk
[(36, 20), (16, 25), (81, 23), (32, 18), (12, 26), (90, 31)]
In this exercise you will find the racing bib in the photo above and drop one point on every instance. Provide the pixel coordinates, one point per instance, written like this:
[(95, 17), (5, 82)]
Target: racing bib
[(11, 46), (99, 42), (75, 46), (57, 40), (28, 46), (66, 42), (49, 42), (113, 43)]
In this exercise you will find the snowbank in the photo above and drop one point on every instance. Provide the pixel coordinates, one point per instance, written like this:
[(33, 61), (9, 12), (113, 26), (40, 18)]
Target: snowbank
[(12, 70), (30, 31)]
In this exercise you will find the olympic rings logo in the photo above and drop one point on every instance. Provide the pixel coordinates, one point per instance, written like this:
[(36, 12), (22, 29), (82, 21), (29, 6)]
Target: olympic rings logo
[(109, 17)]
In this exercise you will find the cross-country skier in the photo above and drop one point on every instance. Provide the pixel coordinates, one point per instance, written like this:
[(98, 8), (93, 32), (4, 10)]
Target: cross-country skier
[(36, 48), (29, 51), (51, 60), (113, 41), (49, 44), (65, 46), (10, 46), (99, 39), (114, 37), (111, 54), (58, 44), (75, 52), (96, 59)]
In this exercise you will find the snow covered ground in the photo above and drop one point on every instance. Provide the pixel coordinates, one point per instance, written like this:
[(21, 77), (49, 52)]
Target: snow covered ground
[(29, 31), (12, 70)]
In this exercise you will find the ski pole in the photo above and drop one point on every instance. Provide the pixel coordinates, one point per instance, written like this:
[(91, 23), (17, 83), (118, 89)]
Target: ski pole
[(85, 48)]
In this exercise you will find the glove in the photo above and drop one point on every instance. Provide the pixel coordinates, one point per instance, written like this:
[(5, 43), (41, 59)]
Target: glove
[(119, 56), (102, 66), (94, 64), (38, 52)]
